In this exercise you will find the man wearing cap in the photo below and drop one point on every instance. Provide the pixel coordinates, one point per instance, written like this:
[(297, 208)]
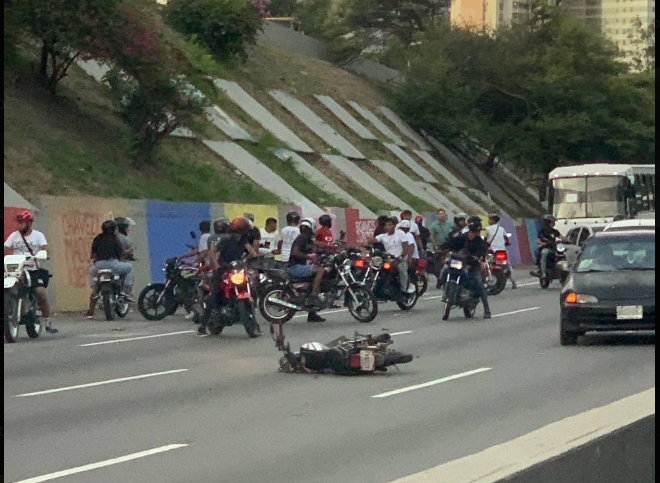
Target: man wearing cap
[(405, 227)]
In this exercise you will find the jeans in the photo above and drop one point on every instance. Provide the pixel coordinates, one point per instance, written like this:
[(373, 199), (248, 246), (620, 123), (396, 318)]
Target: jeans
[(403, 275), (545, 255), (301, 271), (123, 269), (475, 283)]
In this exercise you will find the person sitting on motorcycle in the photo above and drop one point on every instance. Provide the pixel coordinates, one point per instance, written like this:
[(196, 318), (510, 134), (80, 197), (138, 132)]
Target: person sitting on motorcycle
[(202, 250), (289, 235), (28, 242), (424, 233), (473, 245), (107, 254), (230, 247), (270, 238), (497, 240), (380, 225), (414, 229), (324, 236), (396, 244), (546, 240), (460, 222), (254, 235), (404, 226), (299, 267), (123, 228)]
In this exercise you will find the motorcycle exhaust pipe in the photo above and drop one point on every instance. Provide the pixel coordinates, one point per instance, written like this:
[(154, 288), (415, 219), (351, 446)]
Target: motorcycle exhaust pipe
[(282, 303)]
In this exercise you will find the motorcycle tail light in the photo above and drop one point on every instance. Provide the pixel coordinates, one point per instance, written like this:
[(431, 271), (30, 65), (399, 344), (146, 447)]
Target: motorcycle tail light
[(355, 362), (359, 263), (501, 256), (238, 277), (387, 265)]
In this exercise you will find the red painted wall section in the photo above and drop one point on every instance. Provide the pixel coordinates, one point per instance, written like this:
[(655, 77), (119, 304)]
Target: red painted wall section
[(9, 218), (523, 242)]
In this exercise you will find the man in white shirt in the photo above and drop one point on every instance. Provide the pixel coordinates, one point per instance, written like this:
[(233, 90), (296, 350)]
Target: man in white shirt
[(405, 227), (407, 215), (289, 235), (29, 242), (497, 241), (396, 244), (268, 245)]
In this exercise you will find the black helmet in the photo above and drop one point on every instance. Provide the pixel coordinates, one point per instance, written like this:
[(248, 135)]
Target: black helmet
[(547, 219), (293, 217), (109, 226), (326, 221), (474, 223)]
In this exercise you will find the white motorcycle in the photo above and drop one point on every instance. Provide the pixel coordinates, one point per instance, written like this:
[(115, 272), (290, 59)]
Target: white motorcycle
[(21, 306)]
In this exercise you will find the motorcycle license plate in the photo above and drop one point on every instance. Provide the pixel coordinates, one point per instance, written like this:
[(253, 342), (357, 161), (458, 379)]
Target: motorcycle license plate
[(367, 360), (635, 312)]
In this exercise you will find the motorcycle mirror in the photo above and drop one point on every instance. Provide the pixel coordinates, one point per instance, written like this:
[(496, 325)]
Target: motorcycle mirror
[(193, 235)]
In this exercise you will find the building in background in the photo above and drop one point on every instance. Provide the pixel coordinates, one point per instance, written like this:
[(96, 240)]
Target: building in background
[(491, 14)]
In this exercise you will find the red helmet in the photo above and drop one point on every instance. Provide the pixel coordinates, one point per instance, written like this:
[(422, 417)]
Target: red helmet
[(419, 219), (241, 225), (25, 216)]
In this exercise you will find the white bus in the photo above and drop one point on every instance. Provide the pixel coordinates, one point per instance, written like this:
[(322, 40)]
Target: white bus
[(593, 194)]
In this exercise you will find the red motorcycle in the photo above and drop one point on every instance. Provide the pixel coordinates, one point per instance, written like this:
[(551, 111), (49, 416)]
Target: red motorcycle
[(233, 303)]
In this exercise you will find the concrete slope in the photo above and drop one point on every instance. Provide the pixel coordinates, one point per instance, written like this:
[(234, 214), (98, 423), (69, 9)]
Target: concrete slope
[(346, 118), (323, 182), (403, 126), (227, 125), (440, 169), (473, 207), (377, 123), (260, 114), (418, 169), (262, 175), (14, 199), (353, 171)]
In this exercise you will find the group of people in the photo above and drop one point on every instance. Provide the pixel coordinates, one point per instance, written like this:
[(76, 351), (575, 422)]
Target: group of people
[(295, 247)]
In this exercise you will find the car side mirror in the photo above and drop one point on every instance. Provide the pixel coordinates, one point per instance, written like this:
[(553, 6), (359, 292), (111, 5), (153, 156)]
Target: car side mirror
[(41, 255)]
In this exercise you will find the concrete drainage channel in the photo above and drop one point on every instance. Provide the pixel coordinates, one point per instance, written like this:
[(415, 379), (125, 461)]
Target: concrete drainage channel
[(625, 456)]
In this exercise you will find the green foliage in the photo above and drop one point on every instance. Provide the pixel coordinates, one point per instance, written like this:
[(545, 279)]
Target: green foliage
[(66, 29), (540, 94), (643, 39), (225, 27), (283, 8)]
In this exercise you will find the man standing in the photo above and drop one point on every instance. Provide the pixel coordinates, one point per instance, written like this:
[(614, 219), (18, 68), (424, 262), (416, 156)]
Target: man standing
[(441, 229), (29, 242), (424, 233), (497, 241), (268, 245), (300, 267)]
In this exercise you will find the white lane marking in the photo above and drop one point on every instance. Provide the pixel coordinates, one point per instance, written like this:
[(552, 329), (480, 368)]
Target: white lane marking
[(402, 333), (103, 464), (433, 383), (516, 312), (433, 298), (323, 313), (527, 284), (500, 463), (101, 383), (137, 338)]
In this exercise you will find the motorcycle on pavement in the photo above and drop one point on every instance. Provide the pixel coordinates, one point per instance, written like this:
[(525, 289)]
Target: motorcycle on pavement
[(557, 266), (455, 292), (20, 300)]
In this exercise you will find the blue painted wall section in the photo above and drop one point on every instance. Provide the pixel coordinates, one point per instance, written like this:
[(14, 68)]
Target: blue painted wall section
[(532, 234), (168, 230)]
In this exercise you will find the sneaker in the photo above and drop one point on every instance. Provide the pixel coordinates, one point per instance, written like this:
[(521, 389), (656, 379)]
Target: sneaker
[(514, 286), (314, 318), (128, 297), (536, 274), (201, 330), (50, 329), (487, 315)]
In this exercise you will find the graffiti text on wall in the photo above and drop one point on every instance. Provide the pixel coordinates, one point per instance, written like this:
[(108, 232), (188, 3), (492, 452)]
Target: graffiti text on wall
[(79, 229), (364, 230)]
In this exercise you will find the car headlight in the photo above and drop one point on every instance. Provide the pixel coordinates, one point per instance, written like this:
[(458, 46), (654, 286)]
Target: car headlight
[(575, 298)]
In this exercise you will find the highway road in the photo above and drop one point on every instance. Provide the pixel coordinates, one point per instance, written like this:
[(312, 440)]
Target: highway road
[(153, 402)]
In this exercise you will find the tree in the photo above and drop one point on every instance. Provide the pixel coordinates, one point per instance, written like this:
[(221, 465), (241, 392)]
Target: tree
[(539, 94), (643, 38), (67, 30), (148, 80), (225, 27)]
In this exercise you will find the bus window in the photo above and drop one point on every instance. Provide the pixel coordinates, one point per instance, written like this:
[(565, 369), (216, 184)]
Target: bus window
[(605, 196), (568, 200)]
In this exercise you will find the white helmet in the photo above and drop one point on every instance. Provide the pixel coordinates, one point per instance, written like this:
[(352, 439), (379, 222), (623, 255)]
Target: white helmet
[(309, 223)]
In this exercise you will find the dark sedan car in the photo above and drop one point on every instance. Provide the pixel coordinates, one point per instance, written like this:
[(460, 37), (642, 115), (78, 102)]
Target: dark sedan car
[(611, 287)]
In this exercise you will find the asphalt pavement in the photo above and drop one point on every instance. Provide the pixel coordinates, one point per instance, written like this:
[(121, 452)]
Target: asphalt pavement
[(135, 401)]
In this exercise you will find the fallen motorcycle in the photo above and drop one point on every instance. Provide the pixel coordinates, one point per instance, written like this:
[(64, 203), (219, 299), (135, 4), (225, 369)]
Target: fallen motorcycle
[(362, 354)]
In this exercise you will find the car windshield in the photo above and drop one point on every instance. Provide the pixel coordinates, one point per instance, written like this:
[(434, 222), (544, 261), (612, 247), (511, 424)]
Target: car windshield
[(618, 254)]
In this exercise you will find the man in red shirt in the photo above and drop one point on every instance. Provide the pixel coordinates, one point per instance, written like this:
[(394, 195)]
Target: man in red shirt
[(324, 235)]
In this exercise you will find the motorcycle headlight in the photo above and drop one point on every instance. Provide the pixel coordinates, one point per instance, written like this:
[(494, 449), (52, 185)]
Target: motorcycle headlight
[(561, 248), (456, 264), (237, 277), (377, 262)]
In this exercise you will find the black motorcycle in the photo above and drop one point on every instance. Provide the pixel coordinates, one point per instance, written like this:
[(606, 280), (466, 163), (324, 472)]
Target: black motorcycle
[(384, 270), (455, 292), (363, 354), (109, 293), (557, 266), (283, 296)]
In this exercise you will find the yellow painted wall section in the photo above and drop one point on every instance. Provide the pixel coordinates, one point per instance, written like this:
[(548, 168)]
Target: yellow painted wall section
[(261, 212), (74, 222)]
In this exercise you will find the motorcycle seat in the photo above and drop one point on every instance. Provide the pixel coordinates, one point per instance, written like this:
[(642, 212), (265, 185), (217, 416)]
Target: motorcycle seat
[(283, 275)]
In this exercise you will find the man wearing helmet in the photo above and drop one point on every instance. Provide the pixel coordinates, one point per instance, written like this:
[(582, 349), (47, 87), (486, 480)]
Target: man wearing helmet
[(27, 241), (302, 251), (473, 245), (546, 239), (460, 222), (107, 254), (123, 228)]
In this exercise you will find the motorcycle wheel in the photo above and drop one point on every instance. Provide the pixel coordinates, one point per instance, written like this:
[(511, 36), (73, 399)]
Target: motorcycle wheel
[(10, 322), (122, 308), (422, 284), (545, 282), (274, 313), (34, 328), (107, 307), (498, 284), (148, 306), (249, 321), (451, 292), (408, 301), (367, 311), (394, 358)]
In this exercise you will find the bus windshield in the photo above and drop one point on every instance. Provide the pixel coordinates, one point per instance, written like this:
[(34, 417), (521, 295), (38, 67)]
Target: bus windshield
[(589, 197)]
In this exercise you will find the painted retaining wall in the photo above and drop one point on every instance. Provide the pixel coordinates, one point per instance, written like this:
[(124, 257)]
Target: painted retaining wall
[(163, 230)]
